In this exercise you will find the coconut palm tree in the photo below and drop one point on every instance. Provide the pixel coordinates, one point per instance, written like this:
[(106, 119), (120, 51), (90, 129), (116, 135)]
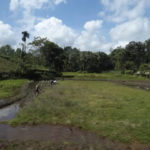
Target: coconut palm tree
[(25, 36)]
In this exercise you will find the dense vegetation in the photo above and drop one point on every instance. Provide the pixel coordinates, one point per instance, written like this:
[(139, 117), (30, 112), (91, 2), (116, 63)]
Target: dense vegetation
[(45, 58)]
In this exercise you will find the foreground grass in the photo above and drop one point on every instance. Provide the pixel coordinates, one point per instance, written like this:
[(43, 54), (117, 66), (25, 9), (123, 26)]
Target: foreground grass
[(112, 75), (9, 88), (118, 112)]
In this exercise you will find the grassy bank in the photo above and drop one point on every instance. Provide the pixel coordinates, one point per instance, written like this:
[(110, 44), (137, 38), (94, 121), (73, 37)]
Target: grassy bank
[(112, 75), (118, 112), (9, 88)]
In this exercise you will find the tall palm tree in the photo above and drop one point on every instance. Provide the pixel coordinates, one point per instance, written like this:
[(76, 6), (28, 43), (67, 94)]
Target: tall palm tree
[(25, 36)]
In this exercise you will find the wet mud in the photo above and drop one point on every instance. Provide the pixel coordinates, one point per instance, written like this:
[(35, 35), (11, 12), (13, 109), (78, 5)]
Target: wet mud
[(60, 134), (144, 85)]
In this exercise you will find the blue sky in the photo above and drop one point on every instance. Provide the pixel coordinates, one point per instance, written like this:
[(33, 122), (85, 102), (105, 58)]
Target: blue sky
[(95, 25)]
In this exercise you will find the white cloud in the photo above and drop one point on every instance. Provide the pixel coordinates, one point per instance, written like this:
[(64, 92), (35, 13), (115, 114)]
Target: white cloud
[(91, 38), (59, 1), (14, 4), (26, 9), (32, 4), (93, 25), (123, 10), (55, 31), (137, 30), (7, 36), (128, 18)]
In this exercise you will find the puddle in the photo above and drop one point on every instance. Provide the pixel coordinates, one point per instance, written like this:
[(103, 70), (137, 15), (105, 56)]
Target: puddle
[(9, 112)]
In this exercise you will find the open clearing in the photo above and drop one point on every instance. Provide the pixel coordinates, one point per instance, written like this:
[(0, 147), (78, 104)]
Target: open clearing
[(118, 112)]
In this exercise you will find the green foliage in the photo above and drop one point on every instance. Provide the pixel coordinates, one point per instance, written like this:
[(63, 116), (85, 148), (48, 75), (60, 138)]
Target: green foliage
[(46, 54), (130, 65), (118, 58), (145, 67), (129, 72), (50, 52), (85, 61), (118, 112)]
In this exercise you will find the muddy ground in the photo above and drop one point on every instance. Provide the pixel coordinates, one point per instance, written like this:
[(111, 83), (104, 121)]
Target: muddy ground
[(144, 85), (61, 137), (58, 137)]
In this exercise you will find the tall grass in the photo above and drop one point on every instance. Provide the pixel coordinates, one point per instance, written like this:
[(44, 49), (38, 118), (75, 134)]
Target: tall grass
[(118, 112), (10, 88)]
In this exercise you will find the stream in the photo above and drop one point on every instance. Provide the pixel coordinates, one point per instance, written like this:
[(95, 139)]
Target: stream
[(9, 112)]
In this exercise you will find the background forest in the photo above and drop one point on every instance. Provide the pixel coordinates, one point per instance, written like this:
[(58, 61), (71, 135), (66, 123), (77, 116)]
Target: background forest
[(44, 59)]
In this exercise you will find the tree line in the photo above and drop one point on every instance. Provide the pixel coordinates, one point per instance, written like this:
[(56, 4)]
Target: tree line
[(45, 55)]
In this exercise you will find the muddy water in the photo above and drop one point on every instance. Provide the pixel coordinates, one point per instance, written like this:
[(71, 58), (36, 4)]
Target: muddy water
[(9, 112)]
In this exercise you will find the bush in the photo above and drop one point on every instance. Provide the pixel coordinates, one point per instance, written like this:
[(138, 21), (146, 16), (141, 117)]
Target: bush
[(41, 74), (129, 72), (144, 67)]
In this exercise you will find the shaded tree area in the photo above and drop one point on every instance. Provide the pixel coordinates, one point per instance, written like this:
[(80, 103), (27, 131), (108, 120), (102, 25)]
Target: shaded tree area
[(132, 57), (86, 61), (41, 58)]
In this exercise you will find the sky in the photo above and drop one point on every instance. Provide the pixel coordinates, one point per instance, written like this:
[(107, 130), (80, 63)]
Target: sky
[(92, 25)]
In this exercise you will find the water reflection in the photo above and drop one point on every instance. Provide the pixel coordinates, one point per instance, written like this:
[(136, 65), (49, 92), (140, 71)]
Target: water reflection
[(9, 112)]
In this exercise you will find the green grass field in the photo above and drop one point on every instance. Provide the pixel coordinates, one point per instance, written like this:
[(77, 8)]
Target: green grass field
[(117, 112), (111, 75), (9, 88)]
